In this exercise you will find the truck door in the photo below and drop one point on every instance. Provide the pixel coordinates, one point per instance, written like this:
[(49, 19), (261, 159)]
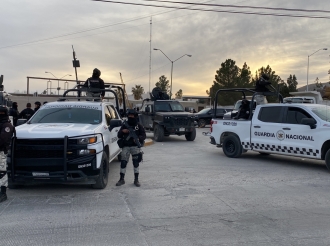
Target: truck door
[(114, 148), (110, 136), (146, 117), (266, 129), (298, 139)]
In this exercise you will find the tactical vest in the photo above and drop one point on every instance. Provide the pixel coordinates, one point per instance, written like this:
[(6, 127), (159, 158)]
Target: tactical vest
[(94, 83)]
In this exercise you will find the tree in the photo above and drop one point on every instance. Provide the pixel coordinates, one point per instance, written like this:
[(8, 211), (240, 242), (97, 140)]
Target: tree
[(163, 84), (292, 83), (230, 75), (318, 84), (178, 95), (137, 92)]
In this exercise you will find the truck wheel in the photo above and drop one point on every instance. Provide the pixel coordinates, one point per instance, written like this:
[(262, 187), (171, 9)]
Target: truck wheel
[(327, 159), (232, 146), (191, 135), (158, 133), (102, 180), (201, 123)]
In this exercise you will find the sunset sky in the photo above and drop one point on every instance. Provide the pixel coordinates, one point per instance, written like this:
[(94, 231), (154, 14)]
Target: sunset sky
[(37, 35)]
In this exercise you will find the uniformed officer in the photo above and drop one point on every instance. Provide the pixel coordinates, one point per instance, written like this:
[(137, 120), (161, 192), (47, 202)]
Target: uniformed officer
[(14, 113), (6, 132), (261, 86), (37, 105), (26, 113), (129, 146), (94, 83)]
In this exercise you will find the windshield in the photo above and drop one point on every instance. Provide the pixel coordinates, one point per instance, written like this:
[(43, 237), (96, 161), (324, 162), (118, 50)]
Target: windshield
[(168, 107), (67, 115), (323, 112), (204, 111), (238, 104)]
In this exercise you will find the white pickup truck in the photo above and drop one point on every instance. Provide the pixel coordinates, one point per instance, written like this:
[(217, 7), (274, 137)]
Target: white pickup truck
[(301, 130), (66, 142)]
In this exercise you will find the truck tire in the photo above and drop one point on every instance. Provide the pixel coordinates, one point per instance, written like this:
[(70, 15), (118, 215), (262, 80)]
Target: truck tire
[(190, 136), (232, 147), (201, 123), (158, 133), (102, 180), (327, 159)]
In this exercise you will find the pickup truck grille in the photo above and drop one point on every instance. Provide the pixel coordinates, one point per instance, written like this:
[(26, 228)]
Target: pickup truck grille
[(41, 148), (181, 121)]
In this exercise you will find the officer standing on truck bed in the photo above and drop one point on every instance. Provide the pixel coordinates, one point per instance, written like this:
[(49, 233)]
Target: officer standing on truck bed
[(129, 146), (6, 132), (94, 83)]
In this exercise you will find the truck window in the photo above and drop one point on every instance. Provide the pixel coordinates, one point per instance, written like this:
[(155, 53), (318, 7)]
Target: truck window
[(67, 115), (270, 114), (295, 115), (113, 112), (107, 115)]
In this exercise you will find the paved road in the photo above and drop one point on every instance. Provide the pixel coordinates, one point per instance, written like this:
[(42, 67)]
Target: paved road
[(191, 194)]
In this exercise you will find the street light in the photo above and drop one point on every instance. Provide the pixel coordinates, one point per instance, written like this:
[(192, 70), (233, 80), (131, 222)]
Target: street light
[(58, 81), (308, 63), (172, 66)]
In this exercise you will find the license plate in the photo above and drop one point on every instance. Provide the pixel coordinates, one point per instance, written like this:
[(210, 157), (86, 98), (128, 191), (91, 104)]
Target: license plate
[(182, 129), (40, 174)]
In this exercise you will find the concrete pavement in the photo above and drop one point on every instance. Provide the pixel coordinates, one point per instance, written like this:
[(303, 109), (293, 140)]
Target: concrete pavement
[(190, 194)]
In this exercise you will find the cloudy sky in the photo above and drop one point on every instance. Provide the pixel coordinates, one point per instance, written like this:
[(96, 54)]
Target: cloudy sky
[(37, 35)]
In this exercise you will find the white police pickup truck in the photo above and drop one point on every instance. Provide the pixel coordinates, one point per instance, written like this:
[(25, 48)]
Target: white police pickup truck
[(66, 142), (301, 130)]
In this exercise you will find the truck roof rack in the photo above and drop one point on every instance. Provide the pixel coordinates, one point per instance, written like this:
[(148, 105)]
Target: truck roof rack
[(247, 90), (80, 88)]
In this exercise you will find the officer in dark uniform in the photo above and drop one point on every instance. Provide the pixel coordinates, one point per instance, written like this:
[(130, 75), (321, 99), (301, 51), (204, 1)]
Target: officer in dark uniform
[(261, 86), (14, 113), (129, 147), (26, 113), (6, 133), (244, 110), (94, 83), (37, 105)]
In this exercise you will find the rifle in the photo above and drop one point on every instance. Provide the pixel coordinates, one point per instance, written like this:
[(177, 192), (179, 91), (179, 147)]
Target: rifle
[(132, 134)]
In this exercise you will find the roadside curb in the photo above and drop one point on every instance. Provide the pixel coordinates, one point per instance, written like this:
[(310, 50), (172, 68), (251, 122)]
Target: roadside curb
[(148, 142)]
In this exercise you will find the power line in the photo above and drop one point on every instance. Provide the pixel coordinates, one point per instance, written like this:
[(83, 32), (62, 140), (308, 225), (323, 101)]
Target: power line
[(217, 11), (240, 6)]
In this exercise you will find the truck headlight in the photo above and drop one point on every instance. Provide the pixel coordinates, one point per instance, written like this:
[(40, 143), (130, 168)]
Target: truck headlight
[(86, 151), (87, 140)]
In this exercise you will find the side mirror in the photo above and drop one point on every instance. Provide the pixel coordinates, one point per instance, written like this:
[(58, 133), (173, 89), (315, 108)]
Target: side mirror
[(309, 122), (147, 110), (21, 121), (114, 123)]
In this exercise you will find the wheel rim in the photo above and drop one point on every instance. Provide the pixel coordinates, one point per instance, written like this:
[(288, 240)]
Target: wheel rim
[(202, 123), (230, 147)]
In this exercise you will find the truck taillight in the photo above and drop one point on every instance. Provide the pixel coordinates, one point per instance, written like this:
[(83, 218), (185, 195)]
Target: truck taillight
[(212, 122)]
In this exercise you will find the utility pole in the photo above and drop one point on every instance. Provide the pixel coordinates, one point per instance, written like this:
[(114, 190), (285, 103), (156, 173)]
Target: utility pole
[(75, 64), (150, 52)]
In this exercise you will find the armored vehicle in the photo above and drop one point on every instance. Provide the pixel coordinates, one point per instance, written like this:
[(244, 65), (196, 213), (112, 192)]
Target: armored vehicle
[(166, 117)]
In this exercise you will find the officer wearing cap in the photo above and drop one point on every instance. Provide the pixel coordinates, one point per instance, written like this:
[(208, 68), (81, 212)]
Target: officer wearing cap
[(6, 133), (129, 146), (37, 105), (94, 83), (26, 113)]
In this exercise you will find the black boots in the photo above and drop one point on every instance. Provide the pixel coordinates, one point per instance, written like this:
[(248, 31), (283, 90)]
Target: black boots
[(121, 180), (136, 180), (3, 195)]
